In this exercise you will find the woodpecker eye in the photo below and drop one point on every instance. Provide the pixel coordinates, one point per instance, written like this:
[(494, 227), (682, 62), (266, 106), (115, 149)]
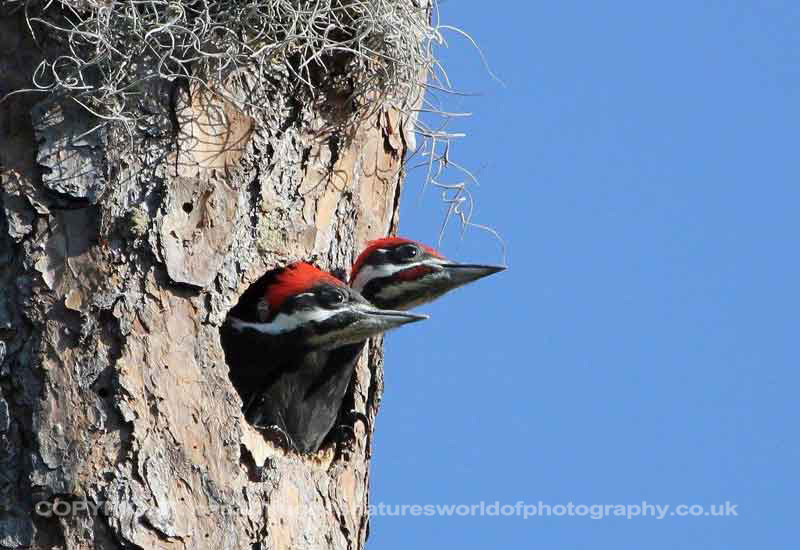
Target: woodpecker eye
[(406, 252), (332, 297)]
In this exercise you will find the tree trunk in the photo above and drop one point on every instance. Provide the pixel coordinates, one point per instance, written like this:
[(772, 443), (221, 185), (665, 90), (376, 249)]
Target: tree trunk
[(120, 254)]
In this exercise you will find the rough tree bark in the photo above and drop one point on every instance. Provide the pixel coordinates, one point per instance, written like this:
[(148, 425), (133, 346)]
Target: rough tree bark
[(119, 258)]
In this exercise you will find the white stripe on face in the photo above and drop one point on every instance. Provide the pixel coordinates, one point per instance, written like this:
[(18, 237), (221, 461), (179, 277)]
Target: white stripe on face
[(395, 290), (416, 292), (371, 272), (286, 323)]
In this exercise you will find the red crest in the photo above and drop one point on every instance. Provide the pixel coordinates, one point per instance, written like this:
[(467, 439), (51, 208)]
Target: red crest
[(295, 279)]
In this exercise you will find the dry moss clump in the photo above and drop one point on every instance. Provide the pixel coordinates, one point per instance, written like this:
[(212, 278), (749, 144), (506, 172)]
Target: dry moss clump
[(352, 54)]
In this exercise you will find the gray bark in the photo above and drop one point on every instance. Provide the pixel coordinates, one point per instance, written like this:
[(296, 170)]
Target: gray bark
[(119, 258)]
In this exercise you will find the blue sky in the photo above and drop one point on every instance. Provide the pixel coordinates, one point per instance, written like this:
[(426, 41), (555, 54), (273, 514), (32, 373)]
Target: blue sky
[(641, 164)]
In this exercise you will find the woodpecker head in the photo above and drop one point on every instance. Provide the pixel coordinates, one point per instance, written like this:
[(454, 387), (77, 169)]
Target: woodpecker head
[(400, 274), (311, 309)]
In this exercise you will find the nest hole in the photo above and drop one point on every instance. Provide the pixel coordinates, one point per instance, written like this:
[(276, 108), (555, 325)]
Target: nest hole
[(247, 363)]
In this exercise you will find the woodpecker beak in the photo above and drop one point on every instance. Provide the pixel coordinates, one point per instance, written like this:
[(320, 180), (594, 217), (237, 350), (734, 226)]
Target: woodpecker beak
[(382, 320), (365, 321), (462, 274), (357, 322)]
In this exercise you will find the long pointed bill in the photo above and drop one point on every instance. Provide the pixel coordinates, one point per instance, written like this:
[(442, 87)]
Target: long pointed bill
[(371, 321), (387, 319), (461, 274), (360, 322)]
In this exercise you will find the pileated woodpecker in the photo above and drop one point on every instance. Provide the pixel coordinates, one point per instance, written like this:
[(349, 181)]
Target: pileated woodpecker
[(399, 273), (279, 343)]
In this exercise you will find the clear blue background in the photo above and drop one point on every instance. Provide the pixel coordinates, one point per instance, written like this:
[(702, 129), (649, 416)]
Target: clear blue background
[(642, 165)]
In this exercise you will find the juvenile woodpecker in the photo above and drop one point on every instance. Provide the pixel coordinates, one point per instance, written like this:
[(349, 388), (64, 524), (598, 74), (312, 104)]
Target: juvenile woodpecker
[(398, 273), (279, 343)]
